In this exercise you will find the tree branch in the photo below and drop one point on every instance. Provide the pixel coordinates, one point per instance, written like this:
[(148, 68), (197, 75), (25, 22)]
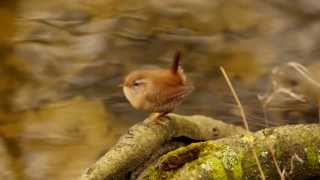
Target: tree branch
[(295, 147), (145, 138)]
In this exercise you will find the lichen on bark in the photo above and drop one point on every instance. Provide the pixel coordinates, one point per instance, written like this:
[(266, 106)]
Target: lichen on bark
[(296, 147)]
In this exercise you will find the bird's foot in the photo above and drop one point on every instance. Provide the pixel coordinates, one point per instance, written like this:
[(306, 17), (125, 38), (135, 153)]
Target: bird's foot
[(158, 118)]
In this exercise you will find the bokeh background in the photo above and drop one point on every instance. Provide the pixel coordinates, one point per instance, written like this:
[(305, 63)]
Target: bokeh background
[(61, 62)]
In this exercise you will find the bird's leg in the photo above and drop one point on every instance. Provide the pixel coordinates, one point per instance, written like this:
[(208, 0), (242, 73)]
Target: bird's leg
[(157, 118), (160, 115)]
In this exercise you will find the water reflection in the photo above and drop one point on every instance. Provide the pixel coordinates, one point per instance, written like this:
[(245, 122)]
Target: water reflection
[(62, 61)]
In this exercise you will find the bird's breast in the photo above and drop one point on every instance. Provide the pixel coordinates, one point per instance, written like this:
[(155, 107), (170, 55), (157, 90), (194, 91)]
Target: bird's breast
[(138, 99), (132, 97)]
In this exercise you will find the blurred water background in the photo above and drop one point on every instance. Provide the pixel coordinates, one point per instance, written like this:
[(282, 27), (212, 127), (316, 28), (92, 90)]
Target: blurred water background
[(61, 62)]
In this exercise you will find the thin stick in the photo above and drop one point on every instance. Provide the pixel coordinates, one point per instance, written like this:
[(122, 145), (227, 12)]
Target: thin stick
[(244, 119), (281, 173), (294, 157), (319, 111), (243, 115), (265, 113)]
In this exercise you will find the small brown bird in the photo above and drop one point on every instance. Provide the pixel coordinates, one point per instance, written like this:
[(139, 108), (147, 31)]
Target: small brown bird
[(157, 90)]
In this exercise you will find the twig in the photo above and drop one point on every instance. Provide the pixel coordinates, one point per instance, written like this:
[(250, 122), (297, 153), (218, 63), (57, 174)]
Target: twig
[(265, 113), (281, 173), (294, 157), (304, 72), (244, 119), (319, 111), (243, 115)]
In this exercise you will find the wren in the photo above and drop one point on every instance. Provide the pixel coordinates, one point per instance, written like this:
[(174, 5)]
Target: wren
[(157, 90)]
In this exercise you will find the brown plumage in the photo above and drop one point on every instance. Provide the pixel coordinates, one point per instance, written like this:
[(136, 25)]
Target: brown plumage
[(157, 90)]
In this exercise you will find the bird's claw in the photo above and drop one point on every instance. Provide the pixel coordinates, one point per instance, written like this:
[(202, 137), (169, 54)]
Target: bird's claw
[(161, 119)]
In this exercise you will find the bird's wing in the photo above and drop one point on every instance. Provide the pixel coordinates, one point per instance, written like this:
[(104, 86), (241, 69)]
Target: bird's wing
[(167, 99)]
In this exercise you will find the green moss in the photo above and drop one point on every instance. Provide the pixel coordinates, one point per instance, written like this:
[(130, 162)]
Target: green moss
[(214, 166), (214, 160), (233, 159), (313, 156), (249, 138), (210, 146), (153, 174), (209, 162), (181, 150), (208, 167), (157, 171), (222, 160)]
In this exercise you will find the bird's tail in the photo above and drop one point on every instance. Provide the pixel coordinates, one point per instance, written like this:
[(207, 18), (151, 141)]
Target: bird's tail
[(176, 62)]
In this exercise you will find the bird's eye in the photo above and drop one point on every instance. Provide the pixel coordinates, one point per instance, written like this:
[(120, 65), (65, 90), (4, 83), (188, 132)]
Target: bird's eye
[(138, 82)]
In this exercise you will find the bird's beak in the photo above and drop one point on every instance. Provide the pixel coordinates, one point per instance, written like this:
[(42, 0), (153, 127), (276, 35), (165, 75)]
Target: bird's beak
[(122, 85)]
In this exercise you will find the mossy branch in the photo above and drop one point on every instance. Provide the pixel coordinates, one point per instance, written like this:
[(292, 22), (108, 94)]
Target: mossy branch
[(145, 138), (295, 147)]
